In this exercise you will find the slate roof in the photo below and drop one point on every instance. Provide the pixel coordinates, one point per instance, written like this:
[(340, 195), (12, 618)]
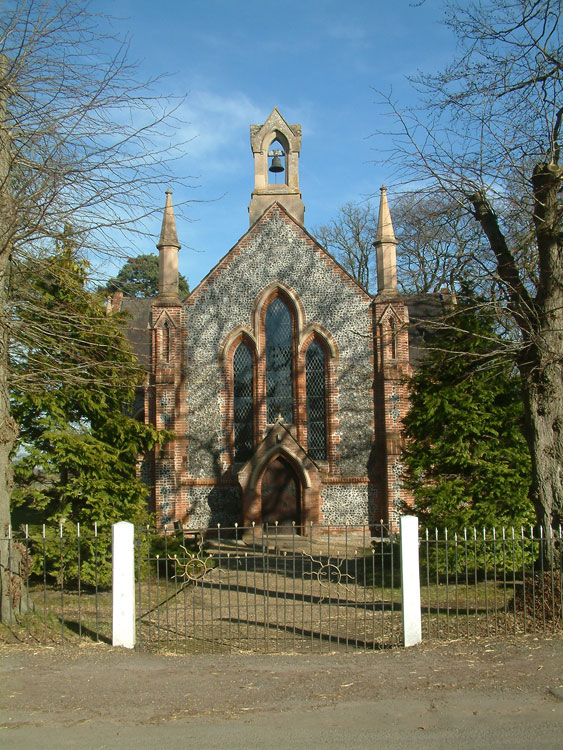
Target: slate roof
[(137, 329), (424, 312)]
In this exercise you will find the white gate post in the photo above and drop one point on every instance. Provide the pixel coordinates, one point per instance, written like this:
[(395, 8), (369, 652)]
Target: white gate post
[(123, 580), (410, 581)]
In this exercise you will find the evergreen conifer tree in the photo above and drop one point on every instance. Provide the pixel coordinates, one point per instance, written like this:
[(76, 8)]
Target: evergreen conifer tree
[(138, 277), (76, 456), (467, 461)]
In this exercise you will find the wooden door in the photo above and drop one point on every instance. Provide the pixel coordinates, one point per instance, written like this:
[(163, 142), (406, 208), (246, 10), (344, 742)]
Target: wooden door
[(280, 494)]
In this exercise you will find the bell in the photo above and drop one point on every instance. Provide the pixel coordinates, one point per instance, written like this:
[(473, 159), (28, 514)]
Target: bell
[(276, 165)]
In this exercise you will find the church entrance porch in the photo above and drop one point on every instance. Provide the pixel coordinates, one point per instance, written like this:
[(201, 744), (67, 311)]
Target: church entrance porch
[(281, 495), (279, 483)]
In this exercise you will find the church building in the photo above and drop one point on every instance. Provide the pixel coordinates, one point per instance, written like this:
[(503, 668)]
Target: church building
[(281, 377)]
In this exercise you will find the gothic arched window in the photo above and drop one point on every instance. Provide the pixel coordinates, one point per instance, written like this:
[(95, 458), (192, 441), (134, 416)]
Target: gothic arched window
[(316, 401), (279, 362), (243, 402)]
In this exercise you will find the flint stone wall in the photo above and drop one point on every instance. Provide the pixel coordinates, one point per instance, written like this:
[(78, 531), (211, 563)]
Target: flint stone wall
[(209, 506), (354, 505), (280, 252)]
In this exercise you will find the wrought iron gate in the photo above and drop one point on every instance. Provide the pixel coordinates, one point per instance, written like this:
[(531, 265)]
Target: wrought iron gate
[(268, 590)]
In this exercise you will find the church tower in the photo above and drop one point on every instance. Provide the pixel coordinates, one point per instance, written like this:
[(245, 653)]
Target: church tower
[(276, 146)]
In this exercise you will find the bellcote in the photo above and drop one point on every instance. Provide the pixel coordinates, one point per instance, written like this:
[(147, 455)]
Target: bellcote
[(276, 181)]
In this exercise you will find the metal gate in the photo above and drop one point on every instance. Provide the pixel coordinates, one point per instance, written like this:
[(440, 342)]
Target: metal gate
[(268, 590)]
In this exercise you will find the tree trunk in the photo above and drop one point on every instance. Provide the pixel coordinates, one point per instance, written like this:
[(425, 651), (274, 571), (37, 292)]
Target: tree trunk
[(542, 393), (540, 320), (11, 582), (9, 556), (542, 361)]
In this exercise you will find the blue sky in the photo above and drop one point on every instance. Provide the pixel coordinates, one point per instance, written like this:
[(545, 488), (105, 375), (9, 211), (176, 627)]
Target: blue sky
[(320, 62)]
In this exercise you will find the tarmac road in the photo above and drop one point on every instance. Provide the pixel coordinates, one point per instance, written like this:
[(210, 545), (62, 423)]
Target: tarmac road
[(482, 694)]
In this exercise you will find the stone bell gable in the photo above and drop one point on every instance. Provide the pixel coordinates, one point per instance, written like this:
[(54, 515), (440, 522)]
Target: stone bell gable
[(276, 132)]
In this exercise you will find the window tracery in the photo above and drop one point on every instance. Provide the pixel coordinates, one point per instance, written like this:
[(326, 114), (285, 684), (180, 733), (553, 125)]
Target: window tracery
[(279, 367)]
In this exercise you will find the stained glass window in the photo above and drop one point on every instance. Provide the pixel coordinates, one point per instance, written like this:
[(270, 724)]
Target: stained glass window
[(279, 355), (243, 402), (316, 405)]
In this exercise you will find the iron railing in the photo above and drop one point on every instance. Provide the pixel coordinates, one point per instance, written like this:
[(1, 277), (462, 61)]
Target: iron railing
[(58, 581), (319, 589), (491, 582)]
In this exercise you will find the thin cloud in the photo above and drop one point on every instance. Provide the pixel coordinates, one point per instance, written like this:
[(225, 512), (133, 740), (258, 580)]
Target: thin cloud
[(217, 127), (346, 32)]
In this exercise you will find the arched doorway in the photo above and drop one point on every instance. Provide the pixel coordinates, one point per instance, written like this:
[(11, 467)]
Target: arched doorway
[(281, 494)]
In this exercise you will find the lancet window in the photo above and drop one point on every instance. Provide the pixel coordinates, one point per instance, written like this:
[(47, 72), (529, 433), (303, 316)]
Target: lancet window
[(279, 362), (393, 337), (316, 401), (166, 341), (243, 402), (272, 376)]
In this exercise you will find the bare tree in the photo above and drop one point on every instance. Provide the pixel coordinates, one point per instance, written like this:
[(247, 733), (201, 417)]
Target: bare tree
[(350, 237), (81, 143), (439, 245), (488, 135), (436, 239)]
